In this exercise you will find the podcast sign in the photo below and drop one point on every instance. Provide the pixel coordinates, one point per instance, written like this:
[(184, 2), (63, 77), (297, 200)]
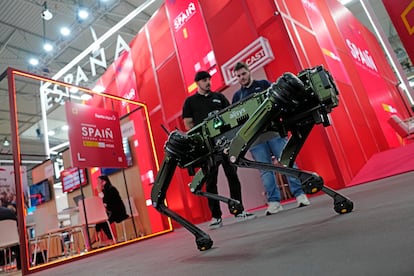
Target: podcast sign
[(95, 137)]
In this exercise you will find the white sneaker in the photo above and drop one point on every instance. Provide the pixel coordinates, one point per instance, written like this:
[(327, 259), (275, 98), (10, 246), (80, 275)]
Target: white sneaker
[(244, 216), (216, 223), (302, 200), (273, 207)]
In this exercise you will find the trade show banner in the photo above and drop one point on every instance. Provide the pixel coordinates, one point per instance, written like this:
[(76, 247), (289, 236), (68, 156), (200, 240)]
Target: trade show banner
[(95, 137), (193, 42), (401, 13)]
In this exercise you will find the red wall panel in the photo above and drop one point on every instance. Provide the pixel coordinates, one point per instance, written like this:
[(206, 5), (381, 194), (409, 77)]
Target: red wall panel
[(212, 7), (231, 30), (285, 57), (172, 90), (144, 72), (162, 45), (261, 11), (295, 9), (160, 136)]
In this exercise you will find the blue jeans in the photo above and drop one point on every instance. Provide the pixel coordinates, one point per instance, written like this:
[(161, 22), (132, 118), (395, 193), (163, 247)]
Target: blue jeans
[(263, 152)]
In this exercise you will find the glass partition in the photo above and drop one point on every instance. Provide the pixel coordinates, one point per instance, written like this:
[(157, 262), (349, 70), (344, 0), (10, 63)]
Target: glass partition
[(59, 200)]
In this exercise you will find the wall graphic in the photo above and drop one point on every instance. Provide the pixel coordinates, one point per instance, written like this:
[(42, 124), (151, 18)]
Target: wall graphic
[(192, 41)]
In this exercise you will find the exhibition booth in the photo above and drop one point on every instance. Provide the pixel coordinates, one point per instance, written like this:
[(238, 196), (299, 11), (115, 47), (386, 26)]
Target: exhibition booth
[(120, 131)]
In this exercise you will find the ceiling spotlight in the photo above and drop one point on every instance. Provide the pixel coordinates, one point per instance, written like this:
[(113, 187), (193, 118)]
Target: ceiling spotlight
[(65, 31), (34, 61), (47, 47), (46, 14), (86, 97), (82, 13), (74, 90), (6, 142), (98, 89)]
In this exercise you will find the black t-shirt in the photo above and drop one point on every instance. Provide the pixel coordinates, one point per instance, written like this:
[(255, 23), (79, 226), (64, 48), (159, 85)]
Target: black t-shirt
[(199, 106)]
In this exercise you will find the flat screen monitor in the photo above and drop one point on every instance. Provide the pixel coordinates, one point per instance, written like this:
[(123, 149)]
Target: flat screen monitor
[(128, 156), (72, 178), (39, 193)]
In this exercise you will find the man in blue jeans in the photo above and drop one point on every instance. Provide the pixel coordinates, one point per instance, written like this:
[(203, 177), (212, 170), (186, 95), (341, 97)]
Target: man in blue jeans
[(267, 145)]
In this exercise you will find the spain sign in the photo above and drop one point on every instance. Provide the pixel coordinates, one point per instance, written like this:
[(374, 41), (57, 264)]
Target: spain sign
[(94, 136)]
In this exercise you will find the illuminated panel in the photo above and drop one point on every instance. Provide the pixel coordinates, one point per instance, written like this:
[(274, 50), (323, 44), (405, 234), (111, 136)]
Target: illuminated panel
[(55, 90)]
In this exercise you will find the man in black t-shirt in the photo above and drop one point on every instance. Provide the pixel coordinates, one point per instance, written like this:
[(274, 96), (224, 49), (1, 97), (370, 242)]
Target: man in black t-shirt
[(196, 108)]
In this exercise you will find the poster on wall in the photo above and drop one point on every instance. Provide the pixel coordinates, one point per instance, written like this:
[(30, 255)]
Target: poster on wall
[(94, 136), (401, 13), (7, 184), (193, 42)]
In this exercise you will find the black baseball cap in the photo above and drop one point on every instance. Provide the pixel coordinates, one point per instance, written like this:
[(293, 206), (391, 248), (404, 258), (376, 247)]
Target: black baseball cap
[(201, 75)]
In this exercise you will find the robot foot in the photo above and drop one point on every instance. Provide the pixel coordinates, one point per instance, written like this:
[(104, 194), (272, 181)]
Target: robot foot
[(204, 243), (343, 205)]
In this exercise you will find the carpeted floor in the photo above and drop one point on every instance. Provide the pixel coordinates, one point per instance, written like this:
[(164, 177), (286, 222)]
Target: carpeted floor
[(377, 238), (385, 164)]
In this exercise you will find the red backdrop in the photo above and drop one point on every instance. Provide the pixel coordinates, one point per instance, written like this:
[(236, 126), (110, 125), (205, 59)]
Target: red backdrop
[(301, 34)]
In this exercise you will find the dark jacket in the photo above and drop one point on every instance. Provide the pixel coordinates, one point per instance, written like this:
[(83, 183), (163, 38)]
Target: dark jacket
[(256, 87), (114, 205), (6, 213)]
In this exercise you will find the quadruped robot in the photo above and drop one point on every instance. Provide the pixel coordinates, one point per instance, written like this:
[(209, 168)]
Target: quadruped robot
[(293, 104)]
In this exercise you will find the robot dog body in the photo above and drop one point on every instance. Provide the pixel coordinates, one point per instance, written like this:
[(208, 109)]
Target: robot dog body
[(292, 104)]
